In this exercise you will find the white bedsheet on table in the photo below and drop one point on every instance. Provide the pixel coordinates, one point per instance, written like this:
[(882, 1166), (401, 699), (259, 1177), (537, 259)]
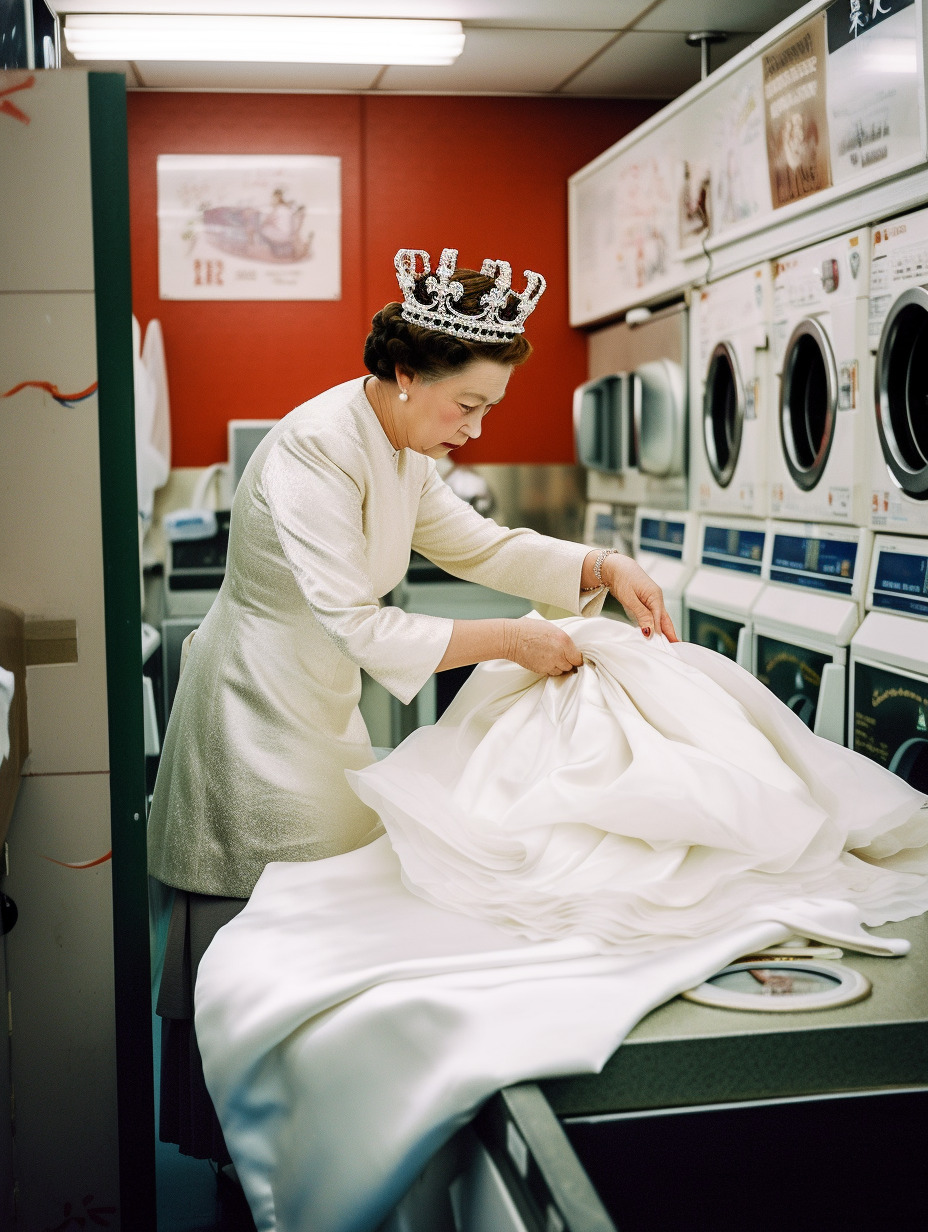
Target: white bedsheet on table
[(645, 820), (348, 1028)]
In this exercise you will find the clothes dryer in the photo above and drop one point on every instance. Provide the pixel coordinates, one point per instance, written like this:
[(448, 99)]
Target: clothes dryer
[(898, 333), (818, 463), (665, 546), (730, 391), (734, 563), (804, 620), (639, 371), (888, 694)]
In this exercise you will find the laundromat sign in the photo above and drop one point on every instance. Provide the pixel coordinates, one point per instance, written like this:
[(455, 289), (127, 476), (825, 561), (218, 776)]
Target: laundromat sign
[(851, 19)]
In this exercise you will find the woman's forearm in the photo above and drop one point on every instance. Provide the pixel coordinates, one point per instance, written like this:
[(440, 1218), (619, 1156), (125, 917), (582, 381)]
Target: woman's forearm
[(478, 641)]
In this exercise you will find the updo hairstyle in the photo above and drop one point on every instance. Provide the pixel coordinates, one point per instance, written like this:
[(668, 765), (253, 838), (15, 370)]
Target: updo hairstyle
[(428, 353)]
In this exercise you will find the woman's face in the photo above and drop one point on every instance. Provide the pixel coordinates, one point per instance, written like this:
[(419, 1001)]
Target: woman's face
[(442, 416)]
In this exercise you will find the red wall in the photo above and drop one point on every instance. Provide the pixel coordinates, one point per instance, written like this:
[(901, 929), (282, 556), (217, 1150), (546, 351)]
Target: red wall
[(484, 175)]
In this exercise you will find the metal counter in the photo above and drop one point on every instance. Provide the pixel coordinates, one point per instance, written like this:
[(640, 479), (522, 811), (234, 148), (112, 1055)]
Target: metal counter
[(708, 1120)]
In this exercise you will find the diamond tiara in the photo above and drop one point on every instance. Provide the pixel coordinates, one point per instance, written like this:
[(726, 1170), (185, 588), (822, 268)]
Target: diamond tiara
[(439, 312)]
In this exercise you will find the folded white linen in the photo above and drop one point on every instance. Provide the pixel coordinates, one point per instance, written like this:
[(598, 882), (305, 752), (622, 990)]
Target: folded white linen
[(641, 823)]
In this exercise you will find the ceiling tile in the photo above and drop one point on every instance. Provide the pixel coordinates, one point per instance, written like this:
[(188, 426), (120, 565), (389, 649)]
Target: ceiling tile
[(503, 62), (732, 16), (191, 75), (649, 65)]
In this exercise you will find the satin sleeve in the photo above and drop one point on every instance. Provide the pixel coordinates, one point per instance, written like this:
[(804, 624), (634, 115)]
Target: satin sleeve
[(451, 534), (316, 508)]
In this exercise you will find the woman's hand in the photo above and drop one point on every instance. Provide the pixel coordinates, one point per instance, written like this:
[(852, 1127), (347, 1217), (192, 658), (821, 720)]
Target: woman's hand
[(639, 594), (542, 648)]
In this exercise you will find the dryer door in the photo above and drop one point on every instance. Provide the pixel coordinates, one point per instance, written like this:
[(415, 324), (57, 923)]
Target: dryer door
[(723, 413), (793, 673), (808, 403), (659, 414), (890, 720), (902, 392)]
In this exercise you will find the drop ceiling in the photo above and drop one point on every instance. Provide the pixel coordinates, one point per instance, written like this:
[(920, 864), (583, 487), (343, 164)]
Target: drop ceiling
[(560, 48)]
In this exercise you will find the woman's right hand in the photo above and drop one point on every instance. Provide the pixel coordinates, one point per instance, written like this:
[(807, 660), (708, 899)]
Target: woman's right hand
[(542, 648)]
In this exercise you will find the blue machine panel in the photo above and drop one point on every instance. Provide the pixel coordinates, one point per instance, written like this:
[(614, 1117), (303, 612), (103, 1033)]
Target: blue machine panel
[(664, 537), (901, 583), (726, 547), (825, 564)]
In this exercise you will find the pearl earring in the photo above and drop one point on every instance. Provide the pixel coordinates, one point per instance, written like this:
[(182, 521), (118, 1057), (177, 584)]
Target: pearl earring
[(404, 396)]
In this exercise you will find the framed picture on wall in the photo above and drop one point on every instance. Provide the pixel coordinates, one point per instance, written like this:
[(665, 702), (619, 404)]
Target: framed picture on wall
[(249, 226)]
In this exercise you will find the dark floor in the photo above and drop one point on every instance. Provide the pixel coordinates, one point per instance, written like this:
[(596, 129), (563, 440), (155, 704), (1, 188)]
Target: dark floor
[(190, 1196)]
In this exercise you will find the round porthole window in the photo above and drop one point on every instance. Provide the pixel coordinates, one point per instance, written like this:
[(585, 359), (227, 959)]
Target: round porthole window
[(902, 392), (723, 413), (781, 987), (910, 762), (808, 403)]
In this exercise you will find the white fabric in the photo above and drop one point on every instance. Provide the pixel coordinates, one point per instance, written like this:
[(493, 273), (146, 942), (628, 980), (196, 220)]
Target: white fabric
[(655, 816), (7, 689), (654, 794)]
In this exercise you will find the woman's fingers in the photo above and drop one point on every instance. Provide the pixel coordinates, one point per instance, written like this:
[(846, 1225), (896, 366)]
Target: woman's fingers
[(545, 649)]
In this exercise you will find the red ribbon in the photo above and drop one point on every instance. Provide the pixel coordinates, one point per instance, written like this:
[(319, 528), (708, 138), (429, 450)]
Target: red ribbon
[(10, 109), (64, 399)]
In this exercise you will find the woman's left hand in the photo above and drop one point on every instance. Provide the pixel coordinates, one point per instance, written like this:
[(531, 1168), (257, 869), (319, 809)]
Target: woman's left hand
[(639, 594)]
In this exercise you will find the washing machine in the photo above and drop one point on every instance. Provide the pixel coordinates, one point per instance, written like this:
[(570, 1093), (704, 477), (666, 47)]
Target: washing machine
[(730, 394), (899, 337), (888, 702), (810, 608), (665, 545), (630, 417), (734, 563), (819, 469)]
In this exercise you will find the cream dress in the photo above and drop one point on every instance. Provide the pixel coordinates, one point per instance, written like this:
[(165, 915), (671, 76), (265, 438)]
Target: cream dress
[(265, 721)]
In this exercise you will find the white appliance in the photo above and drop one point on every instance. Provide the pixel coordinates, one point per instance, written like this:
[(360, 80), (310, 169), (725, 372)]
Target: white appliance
[(888, 702), (818, 465), (245, 435), (730, 394), (665, 546), (805, 618), (899, 336), (734, 563), (630, 417)]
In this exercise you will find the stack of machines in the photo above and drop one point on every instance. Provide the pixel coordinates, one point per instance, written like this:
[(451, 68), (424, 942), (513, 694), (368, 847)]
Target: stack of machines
[(764, 455)]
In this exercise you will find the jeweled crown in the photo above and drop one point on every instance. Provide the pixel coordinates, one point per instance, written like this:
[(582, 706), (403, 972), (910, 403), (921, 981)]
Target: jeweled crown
[(503, 311)]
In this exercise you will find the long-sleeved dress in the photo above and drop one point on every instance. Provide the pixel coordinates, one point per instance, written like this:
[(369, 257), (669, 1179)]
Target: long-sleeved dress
[(265, 720)]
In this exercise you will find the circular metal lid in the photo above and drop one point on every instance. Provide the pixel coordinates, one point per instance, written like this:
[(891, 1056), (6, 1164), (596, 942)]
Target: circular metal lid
[(808, 403), (901, 392), (723, 413), (781, 987)]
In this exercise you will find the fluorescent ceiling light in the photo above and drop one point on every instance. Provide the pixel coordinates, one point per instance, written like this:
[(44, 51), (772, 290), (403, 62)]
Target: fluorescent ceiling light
[(285, 40)]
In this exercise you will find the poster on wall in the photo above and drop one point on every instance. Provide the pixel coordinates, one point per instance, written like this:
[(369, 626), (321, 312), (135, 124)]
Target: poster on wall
[(796, 113), (740, 183), (875, 89), (249, 227)]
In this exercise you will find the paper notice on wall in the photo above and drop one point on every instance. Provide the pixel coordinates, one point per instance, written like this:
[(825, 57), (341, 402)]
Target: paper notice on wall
[(624, 232), (740, 183), (875, 89), (249, 227), (795, 104)]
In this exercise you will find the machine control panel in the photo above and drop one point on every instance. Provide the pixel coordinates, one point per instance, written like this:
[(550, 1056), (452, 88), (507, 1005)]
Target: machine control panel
[(663, 536), (821, 561), (732, 547), (899, 578)]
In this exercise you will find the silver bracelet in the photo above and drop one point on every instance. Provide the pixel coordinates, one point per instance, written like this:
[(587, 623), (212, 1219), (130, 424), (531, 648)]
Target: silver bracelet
[(598, 566)]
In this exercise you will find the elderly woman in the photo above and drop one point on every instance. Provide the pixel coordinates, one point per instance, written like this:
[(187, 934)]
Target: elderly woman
[(266, 720)]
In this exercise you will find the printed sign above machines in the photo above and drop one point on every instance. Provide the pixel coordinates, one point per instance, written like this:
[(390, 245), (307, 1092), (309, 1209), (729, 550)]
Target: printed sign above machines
[(796, 122)]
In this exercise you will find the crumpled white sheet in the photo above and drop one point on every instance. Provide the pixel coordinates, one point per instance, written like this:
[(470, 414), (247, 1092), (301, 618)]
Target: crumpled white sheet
[(349, 1026), (650, 796)]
